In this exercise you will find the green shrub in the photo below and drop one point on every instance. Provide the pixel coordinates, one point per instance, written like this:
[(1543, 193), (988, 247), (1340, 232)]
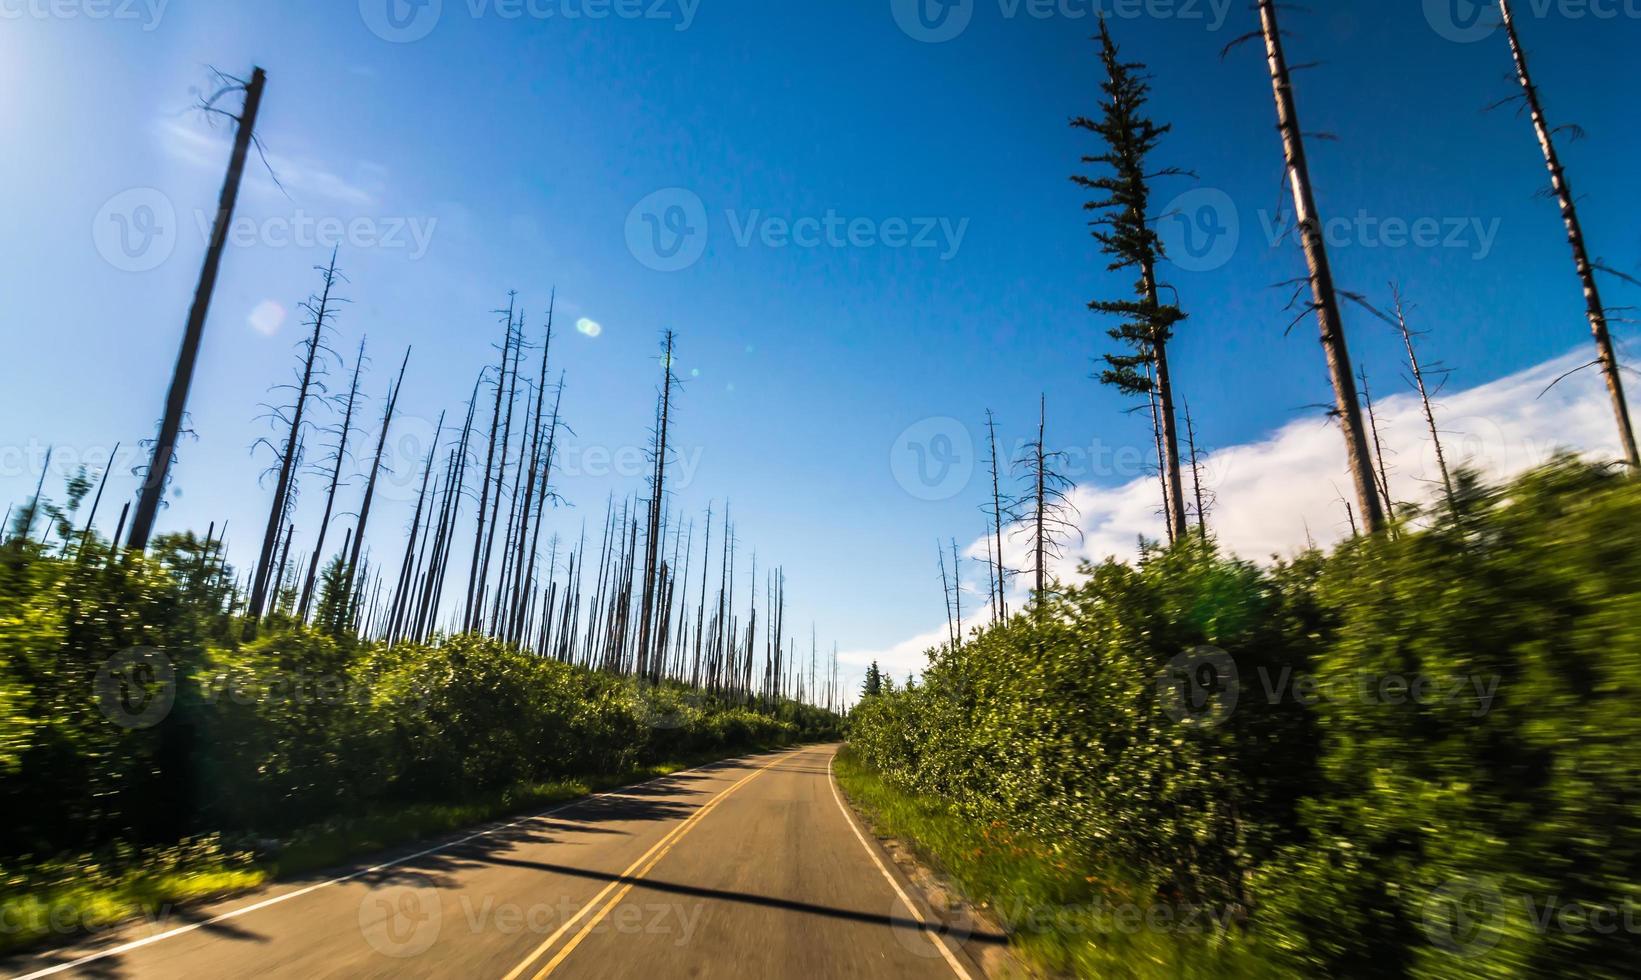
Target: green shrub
[(1483, 823)]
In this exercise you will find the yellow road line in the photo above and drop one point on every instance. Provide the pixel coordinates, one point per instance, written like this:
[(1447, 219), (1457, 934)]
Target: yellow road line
[(934, 937), (637, 869)]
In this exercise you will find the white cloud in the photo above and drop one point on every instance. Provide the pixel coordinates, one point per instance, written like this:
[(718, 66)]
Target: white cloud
[(1275, 494)]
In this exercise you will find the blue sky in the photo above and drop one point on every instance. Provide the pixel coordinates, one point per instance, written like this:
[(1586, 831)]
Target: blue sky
[(549, 148)]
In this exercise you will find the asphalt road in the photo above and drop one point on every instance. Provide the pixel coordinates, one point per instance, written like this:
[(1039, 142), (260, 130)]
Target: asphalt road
[(748, 868)]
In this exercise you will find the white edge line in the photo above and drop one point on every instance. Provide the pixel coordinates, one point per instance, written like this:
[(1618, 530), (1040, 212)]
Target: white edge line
[(265, 903), (934, 936)]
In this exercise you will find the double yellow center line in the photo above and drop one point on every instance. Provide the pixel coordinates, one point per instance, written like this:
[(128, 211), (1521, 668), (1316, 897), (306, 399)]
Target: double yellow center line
[(623, 884)]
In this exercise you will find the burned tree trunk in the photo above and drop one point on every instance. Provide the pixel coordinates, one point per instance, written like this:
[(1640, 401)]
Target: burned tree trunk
[(658, 490), (370, 486), (306, 382), (470, 616), (1424, 400), (176, 401), (335, 482), (1323, 297), (1594, 311)]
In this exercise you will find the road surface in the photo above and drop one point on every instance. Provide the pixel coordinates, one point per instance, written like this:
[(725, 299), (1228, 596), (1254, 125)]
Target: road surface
[(747, 868)]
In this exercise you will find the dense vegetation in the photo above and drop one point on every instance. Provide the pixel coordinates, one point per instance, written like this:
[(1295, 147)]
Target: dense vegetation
[(1411, 757), (137, 729)]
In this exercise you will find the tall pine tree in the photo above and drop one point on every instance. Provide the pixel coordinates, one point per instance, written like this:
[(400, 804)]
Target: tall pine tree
[(1124, 230)]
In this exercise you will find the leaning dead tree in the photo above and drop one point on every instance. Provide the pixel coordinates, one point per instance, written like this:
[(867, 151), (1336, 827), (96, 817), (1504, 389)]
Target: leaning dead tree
[(1043, 506), (309, 380), (1125, 231), (1324, 300), (1594, 311), (158, 472)]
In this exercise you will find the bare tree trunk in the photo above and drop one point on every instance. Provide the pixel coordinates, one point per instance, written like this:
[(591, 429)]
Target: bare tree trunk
[(658, 488), (1163, 410), (288, 461), (1378, 445), (471, 609), (1041, 515), (524, 574), (370, 485), (96, 501), (1196, 473), (407, 569), (1429, 413), (434, 594), (176, 401), (1593, 309), (1324, 299), (330, 494), (997, 521), (946, 597), (1162, 460), (501, 471)]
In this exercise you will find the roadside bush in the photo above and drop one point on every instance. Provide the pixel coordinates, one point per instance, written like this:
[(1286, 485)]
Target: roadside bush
[(1411, 757)]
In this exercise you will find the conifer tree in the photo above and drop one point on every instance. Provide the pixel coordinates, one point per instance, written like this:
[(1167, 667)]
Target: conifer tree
[(1125, 233)]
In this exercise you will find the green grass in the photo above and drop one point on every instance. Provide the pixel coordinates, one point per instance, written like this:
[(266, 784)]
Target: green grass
[(56, 901), (62, 899), (1062, 918)]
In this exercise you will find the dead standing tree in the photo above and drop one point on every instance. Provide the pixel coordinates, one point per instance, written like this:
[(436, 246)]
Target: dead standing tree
[(1324, 300), (176, 400), (657, 493), (351, 575), (337, 460), (470, 616), (1196, 472), (1043, 508), (1594, 311), (1424, 400), (1125, 232), (1000, 609), (310, 378)]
